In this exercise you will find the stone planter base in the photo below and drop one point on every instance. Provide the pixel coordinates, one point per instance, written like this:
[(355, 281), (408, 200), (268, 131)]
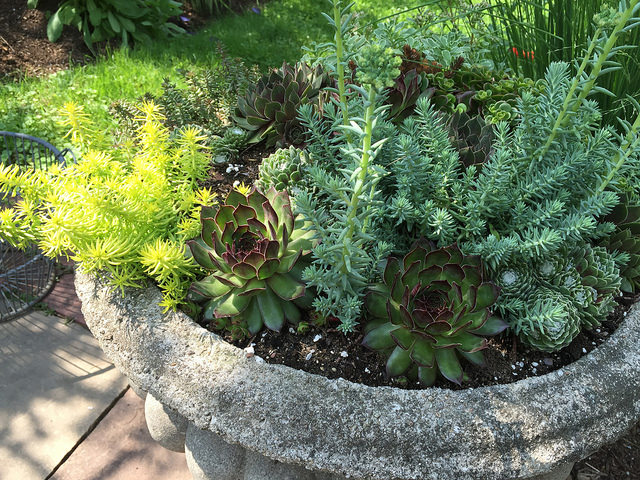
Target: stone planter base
[(211, 458), (241, 418)]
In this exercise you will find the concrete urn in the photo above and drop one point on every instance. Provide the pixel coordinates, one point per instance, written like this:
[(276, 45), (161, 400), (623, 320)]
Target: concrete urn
[(239, 418)]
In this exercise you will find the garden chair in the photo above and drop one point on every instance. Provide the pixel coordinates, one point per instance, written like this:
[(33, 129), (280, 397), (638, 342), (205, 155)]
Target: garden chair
[(26, 276)]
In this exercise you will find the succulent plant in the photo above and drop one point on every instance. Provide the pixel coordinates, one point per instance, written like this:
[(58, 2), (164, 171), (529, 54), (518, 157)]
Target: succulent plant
[(471, 136), (551, 323), (408, 88), (432, 305), (282, 169), (251, 246), (589, 276), (269, 108), (625, 239)]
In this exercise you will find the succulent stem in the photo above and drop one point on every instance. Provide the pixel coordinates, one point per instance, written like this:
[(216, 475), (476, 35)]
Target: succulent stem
[(364, 167), (570, 106), (337, 18)]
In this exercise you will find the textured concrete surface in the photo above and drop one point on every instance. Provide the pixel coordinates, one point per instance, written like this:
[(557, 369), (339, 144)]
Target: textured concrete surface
[(511, 431), (165, 426), (54, 383), (120, 448)]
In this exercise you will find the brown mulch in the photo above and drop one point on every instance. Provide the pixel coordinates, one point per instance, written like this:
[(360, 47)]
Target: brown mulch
[(24, 49)]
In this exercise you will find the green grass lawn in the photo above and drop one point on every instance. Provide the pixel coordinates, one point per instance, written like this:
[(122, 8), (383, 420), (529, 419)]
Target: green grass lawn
[(278, 33)]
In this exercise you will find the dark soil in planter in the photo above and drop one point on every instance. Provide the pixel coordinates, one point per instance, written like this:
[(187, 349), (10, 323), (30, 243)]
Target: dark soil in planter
[(328, 352)]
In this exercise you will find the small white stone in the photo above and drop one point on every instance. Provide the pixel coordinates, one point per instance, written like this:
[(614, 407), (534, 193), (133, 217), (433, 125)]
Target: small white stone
[(236, 183), (291, 330), (513, 367), (344, 354), (584, 350), (521, 364), (515, 374), (593, 343), (264, 334), (535, 370), (308, 357), (317, 337), (597, 330), (560, 373), (535, 364), (249, 351), (495, 378), (366, 370)]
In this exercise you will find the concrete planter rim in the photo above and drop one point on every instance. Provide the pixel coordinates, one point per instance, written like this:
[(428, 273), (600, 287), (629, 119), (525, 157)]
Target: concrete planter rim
[(518, 430)]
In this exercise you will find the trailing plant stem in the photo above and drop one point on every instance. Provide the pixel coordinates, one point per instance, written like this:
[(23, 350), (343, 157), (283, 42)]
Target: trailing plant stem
[(626, 149), (337, 18), (567, 101), (364, 167), (570, 107)]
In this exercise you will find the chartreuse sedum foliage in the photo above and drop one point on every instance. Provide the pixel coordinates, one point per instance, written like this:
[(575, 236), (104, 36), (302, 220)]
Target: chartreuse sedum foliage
[(432, 306), (252, 247), (126, 213)]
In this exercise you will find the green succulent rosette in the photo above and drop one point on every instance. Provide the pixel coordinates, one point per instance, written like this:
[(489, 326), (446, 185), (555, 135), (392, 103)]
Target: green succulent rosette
[(432, 307), (282, 169), (550, 323), (626, 240), (269, 109), (252, 246)]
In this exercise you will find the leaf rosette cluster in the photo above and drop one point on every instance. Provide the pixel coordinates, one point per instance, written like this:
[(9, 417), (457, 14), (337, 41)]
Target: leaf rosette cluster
[(431, 306), (251, 245)]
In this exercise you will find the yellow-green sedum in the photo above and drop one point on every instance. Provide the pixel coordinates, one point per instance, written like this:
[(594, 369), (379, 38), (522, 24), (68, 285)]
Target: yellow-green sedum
[(126, 212)]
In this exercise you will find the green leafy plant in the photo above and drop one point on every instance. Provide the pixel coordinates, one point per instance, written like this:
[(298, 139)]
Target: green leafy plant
[(625, 242), (126, 214), (432, 306), (251, 246), (270, 107), (541, 28), (100, 20)]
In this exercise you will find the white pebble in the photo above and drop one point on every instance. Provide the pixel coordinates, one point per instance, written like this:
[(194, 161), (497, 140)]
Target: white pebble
[(495, 378), (535, 370), (513, 367), (264, 334), (291, 330), (236, 183), (535, 364), (521, 364), (344, 354), (584, 350), (560, 373), (249, 351), (308, 357), (317, 337), (366, 370), (593, 343)]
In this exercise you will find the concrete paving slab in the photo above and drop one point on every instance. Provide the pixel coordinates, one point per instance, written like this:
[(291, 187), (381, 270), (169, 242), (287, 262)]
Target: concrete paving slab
[(120, 448), (63, 299), (54, 384)]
